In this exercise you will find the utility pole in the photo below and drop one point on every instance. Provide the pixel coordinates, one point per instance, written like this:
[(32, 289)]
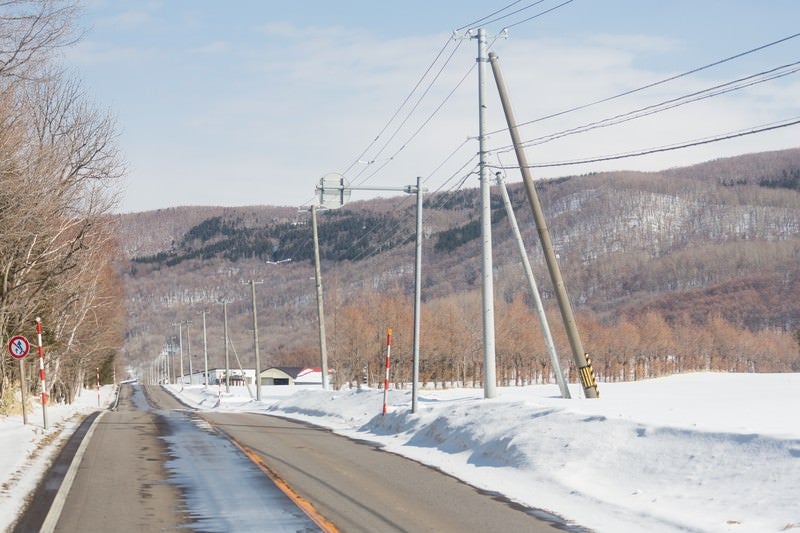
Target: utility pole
[(180, 347), (587, 374), (487, 287), (205, 351), (227, 363), (323, 347), (189, 347), (253, 284), (166, 367), (417, 297), (334, 191)]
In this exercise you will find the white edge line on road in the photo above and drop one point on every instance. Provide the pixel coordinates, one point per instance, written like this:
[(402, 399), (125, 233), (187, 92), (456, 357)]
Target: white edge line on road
[(54, 513)]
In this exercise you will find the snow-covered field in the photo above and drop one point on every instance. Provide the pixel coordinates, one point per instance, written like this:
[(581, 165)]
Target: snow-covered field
[(695, 452)]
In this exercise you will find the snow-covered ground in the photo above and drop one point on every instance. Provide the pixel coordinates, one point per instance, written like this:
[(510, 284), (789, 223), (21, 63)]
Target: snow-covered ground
[(28, 450), (694, 452)]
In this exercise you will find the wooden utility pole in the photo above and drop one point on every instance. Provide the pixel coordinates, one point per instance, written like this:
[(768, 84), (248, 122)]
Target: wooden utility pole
[(581, 360)]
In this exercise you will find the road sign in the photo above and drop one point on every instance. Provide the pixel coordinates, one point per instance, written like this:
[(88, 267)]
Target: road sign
[(18, 347)]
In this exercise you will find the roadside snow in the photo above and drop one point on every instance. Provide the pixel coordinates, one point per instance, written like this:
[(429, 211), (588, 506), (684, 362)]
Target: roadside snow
[(694, 452), (28, 450)]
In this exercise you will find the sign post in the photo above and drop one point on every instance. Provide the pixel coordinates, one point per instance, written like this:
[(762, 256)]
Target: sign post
[(19, 347), (41, 370), (388, 364)]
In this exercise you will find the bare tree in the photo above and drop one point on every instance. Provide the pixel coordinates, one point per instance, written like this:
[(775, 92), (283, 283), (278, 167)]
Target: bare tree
[(30, 32), (58, 182)]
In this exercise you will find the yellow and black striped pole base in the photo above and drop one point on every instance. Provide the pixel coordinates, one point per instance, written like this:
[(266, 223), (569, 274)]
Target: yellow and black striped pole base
[(588, 380)]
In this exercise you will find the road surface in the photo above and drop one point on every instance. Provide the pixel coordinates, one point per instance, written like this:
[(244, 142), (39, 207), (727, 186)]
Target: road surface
[(153, 465), (360, 488)]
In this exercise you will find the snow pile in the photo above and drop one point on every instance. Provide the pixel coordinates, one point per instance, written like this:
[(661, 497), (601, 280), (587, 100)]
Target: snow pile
[(707, 452), (694, 452), (28, 450)]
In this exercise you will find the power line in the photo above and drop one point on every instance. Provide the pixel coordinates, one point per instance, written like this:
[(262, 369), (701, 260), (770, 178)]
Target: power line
[(446, 160), (393, 232), (424, 123), (388, 160), (686, 144), (430, 117), (476, 22), (513, 12), (716, 90), (401, 106), (414, 108), (654, 84), (546, 11)]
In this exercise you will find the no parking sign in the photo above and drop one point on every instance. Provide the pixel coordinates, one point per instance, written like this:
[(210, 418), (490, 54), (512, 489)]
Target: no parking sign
[(18, 346)]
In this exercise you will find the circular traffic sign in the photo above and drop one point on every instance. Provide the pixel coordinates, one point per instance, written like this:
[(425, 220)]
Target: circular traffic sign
[(18, 346)]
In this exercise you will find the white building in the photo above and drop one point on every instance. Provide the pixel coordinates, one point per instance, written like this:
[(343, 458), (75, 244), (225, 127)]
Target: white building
[(292, 375)]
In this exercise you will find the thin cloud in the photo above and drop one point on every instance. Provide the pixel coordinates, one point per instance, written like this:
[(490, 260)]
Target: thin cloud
[(215, 47), (89, 52), (143, 15)]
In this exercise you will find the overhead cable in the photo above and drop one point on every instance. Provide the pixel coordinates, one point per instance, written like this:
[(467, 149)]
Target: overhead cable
[(655, 83), (424, 123), (546, 11), (490, 15), (400, 107), (716, 90), (677, 146), (413, 109), (520, 10)]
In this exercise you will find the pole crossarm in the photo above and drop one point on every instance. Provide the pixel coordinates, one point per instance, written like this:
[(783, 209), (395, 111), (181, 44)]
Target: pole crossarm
[(338, 184), (409, 189)]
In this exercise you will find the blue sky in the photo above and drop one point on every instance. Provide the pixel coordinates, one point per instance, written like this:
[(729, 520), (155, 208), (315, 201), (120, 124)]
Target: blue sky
[(251, 102)]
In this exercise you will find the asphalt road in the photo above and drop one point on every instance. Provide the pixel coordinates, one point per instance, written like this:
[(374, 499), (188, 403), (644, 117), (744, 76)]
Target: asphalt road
[(153, 465), (360, 488), (120, 484)]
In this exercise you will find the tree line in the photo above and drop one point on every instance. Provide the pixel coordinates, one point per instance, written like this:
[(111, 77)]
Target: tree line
[(231, 238), (59, 169), (630, 348)]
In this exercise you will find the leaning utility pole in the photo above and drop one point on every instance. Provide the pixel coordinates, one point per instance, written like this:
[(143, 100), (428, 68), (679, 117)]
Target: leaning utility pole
[(580, 357), (526, 264), (487, 286)]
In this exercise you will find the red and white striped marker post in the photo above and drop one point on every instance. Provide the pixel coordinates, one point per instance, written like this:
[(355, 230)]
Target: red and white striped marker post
[(388, 364), (98, 387), (41, 370)]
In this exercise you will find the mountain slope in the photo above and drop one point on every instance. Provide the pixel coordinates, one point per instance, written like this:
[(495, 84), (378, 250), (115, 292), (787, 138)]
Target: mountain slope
[(722, 237)]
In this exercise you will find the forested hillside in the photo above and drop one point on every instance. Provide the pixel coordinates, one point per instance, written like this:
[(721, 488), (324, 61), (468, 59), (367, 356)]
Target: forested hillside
[(688, 268)]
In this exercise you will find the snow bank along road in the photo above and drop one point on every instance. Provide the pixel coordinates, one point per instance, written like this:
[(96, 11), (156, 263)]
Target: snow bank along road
[(154, 465)]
